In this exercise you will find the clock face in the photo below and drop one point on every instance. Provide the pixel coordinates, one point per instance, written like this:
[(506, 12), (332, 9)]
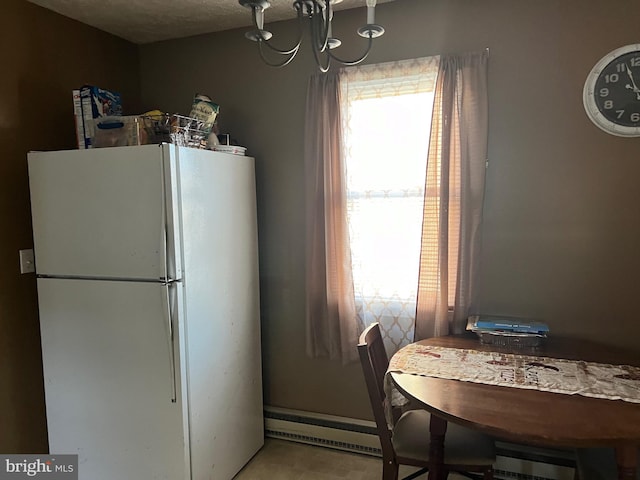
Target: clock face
[(611, 93)]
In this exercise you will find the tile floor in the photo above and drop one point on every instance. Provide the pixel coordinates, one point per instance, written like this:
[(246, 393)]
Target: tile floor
[(284, 460)]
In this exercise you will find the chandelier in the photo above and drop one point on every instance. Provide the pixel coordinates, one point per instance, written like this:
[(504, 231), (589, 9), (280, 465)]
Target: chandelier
[(319, 14)]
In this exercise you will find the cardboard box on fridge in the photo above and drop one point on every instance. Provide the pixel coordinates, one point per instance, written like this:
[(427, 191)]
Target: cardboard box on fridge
[(96, 103), (78, 118)]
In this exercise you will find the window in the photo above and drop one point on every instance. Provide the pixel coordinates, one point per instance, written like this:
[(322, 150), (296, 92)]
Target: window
[(366, 134), (386, 120)]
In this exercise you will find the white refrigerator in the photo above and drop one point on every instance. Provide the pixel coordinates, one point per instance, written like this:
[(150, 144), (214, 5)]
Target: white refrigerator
[(147, 275)]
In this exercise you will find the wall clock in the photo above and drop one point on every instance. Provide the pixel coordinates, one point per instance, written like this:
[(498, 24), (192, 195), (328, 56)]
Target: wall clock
[(611, 93)]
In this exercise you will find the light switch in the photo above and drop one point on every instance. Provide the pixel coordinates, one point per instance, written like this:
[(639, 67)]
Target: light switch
[(27, 262)]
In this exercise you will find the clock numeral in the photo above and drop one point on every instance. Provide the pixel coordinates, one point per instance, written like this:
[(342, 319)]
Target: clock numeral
[(608, 104), (611, 78), (604, 92), (620, 113), (621, 67), (635, 117), (635, 62)]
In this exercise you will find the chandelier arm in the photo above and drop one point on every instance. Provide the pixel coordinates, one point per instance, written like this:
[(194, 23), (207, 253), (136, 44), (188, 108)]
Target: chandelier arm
[(314, 33), (322, 26), (356, 61), (316, 54), (291, 51), (322, 68), (284, 63)]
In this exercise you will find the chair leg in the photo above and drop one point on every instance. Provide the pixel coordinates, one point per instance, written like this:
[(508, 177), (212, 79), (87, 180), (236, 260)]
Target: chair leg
[(417, 474), (389, 470), (484, 475)]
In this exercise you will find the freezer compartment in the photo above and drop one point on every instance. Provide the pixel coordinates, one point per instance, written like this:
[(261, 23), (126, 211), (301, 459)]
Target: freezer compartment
[(105, 213)]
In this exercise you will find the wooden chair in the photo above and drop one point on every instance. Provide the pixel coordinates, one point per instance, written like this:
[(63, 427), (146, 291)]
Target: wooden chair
[(408, 442), (597, 464)]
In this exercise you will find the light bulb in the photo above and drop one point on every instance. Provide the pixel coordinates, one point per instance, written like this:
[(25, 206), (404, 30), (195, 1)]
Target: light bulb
[(371, 12)]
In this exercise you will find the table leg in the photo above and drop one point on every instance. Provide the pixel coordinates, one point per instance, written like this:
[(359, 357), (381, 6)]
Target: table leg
[(627, 460), (437, 430)]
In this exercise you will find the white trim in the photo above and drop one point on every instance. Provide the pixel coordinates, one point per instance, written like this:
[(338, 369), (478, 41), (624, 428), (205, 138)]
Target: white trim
[(307, 432), (350, 434)]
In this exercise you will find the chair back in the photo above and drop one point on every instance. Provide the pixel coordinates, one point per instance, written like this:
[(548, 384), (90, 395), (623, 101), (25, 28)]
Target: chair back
[(375, 362)]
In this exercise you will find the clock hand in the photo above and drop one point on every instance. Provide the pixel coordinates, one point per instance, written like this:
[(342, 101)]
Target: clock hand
[(635, 90), (633, 87)]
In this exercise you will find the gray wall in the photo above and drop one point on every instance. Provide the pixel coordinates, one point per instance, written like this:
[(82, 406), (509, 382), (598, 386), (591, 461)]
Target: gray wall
[(561, 221), (44, 56)]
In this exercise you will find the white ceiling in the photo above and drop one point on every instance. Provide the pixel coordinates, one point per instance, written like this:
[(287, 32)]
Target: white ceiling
[(146, 21)]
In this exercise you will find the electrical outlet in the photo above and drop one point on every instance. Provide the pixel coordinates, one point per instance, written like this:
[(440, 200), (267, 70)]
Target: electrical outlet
[(27, 261)]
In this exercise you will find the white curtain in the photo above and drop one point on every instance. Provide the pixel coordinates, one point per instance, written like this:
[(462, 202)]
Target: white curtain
[(331, 325), (452, 220)]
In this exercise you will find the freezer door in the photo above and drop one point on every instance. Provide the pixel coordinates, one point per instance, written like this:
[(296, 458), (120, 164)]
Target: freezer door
[(112, 381), (105, 212)]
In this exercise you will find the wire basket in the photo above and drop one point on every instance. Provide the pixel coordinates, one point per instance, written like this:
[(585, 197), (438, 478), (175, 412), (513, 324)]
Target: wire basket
[(507, 339), (176, 129)]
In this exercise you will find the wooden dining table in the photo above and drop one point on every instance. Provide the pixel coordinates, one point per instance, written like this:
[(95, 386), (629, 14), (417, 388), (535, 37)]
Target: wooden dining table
[(528, 416)]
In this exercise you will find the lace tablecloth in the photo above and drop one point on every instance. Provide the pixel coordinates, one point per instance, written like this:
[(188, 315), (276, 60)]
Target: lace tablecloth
[(612, 382)]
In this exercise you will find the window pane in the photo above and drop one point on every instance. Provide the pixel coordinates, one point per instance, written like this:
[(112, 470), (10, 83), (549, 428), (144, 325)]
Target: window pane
[(386, 145), (387, 142), (385, 184)]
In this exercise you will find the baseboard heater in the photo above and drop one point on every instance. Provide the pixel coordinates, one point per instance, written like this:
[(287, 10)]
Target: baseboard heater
[(519, 462)]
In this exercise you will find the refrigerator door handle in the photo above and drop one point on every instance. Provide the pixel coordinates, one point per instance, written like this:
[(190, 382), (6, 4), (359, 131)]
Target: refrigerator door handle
[(164, 226), (170, 292), (170, 256)]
